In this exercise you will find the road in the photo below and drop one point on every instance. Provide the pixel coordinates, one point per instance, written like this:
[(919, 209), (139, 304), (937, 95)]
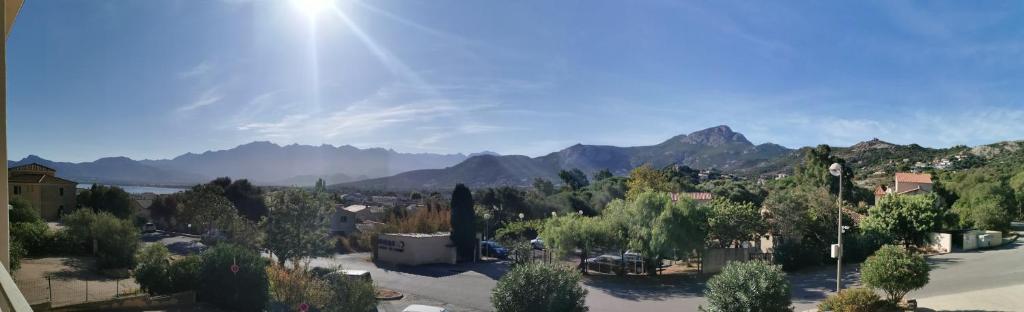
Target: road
[(980, 280)]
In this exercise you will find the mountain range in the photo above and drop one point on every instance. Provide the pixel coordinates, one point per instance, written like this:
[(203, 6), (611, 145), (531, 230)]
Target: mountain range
[(713, 148), (346, 166)]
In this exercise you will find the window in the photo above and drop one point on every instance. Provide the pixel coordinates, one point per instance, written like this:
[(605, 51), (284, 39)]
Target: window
[(17, 189), (343, 219), (62, 191)]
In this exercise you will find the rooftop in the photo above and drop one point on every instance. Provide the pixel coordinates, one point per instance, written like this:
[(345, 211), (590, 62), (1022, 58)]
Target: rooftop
[(913, 177)]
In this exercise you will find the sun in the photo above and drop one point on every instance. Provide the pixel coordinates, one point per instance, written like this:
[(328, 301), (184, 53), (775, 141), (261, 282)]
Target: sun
[(313, 7)]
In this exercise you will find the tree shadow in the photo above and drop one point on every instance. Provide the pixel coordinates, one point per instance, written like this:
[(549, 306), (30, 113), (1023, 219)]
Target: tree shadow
[(491, 269), (78, 268), (639, 288), (186, 248), (815, 284), (937, 263), (933, 310)]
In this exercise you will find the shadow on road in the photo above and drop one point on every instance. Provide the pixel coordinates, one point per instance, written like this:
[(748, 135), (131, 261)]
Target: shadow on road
[(491, 269), (639, 288), (813, 285), (932, 310)]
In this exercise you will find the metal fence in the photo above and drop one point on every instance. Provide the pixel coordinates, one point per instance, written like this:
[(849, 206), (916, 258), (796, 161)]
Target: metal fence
[(63, 292)]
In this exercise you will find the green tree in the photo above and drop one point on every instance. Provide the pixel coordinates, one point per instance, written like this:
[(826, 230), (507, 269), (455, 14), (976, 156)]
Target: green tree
[(320, 187), (463, 222), (543, 186), (151, 272), (246, 290), (603, 174), (753, 286), (813, 172), (733, 223), (657, 227), (297, 225), (566, 234), (573, 179), (184, 273), (110, 199), (984, 206), (646, 179), (894, 271), (805, 215), (905, 218), (539, 287), (247, 199), (22, 211), (852, 300), (117, 241)]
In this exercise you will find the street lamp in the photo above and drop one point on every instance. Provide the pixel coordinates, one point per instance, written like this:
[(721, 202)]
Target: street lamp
[(521, 216), (554, 214), (837, 250), (580, 212), (487, 224)]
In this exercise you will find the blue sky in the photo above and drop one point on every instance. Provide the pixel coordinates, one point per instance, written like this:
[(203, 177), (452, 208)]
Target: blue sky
[(154, 79)]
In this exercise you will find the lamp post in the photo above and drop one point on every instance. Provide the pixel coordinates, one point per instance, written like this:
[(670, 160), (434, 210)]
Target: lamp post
[(837, 250), (487, 224)]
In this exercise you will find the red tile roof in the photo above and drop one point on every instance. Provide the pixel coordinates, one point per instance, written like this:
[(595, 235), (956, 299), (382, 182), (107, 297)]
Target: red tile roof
[(913, 177), (880, 190)]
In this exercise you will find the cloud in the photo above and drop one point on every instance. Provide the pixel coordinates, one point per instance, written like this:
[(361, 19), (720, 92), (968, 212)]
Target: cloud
[(210, 96), (198, 70)]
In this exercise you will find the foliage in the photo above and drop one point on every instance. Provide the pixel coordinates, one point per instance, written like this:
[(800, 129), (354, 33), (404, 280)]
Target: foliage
[(983, 208), (602, 174), (297, 226), (748, 286), (539, 287), (292, 287), (33, 236), (813, 172), (519, 231), (184, 273), (732, 223), (247, 290), (894, 271), (17, 252), (205, 208), (739, 192), (646, 179), (566, 234), (421, 221), (543, 186), (151, 272), (463, 221), (793, 255), (247, 199), (117, 241), (350, 295), (906, 218), (655, 226), (804, 217), (22, 211), (859, 245), (110, 199), (573, 179), (852, 300)]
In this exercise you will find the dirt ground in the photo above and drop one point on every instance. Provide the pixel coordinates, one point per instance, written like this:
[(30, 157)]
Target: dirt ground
[(72, 278)]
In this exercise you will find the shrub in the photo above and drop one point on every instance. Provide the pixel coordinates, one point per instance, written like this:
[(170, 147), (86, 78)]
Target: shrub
[(184, 274), (151, 273), (349, 294), (292, 287), (852, 300), (17, 252), (22, 211), (857, 246), (117, 241), (895, 271), (33, 236), (794, 256), (748, 286), (247, 290), (539, 287)]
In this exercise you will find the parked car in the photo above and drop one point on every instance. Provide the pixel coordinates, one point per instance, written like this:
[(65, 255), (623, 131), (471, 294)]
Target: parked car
[(423, 308), (613, 263), (493, 249), (537, 243), (149, 227)]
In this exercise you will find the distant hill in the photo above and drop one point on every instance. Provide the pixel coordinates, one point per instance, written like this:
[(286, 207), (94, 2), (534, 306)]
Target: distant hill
[(261, 162), (717, 147)]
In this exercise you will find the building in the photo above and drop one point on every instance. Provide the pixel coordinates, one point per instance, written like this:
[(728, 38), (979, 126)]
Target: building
[(912, 183), (414, 249), (40, 186), (386, 201), (346, 218)]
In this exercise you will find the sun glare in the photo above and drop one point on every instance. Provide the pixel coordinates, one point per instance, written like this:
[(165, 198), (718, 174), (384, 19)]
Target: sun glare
[(313, 7)]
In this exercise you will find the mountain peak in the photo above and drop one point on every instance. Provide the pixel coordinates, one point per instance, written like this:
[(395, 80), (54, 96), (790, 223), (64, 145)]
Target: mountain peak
[(714, 136), (874, 143)]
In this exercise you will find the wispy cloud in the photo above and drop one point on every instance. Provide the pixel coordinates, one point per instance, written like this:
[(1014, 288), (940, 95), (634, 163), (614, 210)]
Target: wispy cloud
[(198, 70), (210, 96)]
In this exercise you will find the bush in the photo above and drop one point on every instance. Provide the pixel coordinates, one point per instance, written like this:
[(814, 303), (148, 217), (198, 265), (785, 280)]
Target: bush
[(33, 236), (794, 256), (117, 241), (247, 290), (17, 252), (22, 211), (350, 294), (151, 273), (184, 274), (857, 246), (158, 275), (852, 300), (748, 286), (292, 287), (895, 271), (539, 287)]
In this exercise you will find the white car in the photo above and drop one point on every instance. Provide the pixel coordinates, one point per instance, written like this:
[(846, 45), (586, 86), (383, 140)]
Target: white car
[(537, 243), (423, 308)]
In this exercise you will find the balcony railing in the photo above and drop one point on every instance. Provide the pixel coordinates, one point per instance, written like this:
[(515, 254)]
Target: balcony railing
[(11, 298)]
